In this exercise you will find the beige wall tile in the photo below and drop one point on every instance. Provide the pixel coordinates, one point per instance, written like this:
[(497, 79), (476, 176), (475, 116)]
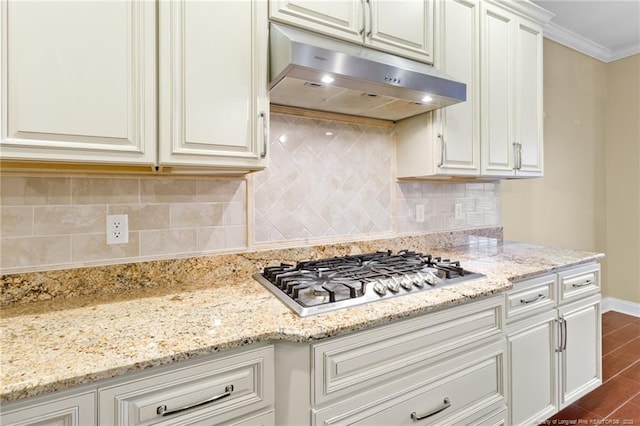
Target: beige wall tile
[(69, 219), (35, 252), (221, 190), (112, 190), (144, 216), (211, 239), (180, 241), (196, 215), (93, 247), (235, 237), (34, 191), (16, 221), (235, 214), (168, 190)]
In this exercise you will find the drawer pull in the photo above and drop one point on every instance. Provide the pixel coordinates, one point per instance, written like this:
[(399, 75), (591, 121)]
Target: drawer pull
[(164, 411), (583, 284), (445, 405), (535, 299)]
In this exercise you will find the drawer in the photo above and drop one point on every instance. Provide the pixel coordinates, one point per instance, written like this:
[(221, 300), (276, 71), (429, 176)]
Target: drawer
[(214, 390), (531, 297), (462, 390), (578, 282), (358, 362)]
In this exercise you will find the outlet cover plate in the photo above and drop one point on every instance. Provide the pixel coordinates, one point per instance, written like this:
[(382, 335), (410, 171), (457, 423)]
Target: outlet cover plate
[(117, 229)]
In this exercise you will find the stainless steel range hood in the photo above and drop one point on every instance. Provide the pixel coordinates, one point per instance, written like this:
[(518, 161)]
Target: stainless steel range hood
[(315, 72)]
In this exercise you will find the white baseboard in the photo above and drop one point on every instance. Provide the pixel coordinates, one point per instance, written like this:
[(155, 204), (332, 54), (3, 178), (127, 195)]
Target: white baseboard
[(619, 305)]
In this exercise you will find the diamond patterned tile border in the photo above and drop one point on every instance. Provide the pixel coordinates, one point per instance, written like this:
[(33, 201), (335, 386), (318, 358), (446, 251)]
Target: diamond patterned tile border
[(325, 179)]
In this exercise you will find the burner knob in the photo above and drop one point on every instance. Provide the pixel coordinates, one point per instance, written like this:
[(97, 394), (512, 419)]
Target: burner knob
[(418, 280), (380, 288), (406, 282), (392, 284), (431, 278)]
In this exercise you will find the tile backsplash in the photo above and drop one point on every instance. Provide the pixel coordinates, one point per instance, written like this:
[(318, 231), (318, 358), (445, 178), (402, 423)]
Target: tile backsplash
[(327, 181), (332, 180)]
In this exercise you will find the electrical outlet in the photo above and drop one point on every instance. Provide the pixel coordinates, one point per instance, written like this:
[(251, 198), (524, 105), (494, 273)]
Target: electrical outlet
[(458, 212), (419, 212), (117, 229)]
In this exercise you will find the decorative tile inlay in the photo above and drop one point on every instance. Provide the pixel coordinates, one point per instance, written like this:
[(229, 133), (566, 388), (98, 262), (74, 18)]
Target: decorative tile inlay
[(327, 179)]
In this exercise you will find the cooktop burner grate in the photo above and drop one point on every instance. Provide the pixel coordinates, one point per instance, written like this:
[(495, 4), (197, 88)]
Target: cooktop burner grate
[(316, 286)]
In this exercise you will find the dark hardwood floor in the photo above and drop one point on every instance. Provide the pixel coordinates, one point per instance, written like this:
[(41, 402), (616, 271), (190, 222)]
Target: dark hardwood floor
[(617, 400)]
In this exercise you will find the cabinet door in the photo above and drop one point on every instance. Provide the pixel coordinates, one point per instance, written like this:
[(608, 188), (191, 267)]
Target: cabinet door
[(403, 27), (458, 147), (533, 366), (467, 387), (529, 99), (580, 359), (343, 19), (213, 100), (497, 86), (78, 81), (78, 410)]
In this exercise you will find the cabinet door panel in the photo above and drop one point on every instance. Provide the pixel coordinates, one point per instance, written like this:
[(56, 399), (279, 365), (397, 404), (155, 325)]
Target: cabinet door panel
[(77, 410), (529, 98), (402, 27), (533, 366), (497, 89), (79, 80), (212, 83), (337, 18), (581, 362), (459, 59)]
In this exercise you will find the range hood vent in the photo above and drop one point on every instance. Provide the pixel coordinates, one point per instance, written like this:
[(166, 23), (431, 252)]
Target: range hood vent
[(315, 72)]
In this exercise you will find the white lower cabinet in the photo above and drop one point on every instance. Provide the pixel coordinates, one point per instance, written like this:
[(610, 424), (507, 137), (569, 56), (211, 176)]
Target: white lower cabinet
[(553, 346), (73, 409), (465, 387), (445, 366), (533, 369), (206, 393), (581, 354)]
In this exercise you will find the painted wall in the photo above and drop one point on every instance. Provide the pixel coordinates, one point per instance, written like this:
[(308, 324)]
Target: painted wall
[(623, 179), (328, 182), (588, 198)]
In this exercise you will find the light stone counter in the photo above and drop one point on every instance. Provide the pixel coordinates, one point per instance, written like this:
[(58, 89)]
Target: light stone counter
[(53, 345)]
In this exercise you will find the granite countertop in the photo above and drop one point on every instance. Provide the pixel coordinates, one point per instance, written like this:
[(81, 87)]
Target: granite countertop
[(49, 346)]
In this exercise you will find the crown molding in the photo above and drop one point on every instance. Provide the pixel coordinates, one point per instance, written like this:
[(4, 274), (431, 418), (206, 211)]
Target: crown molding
[(574, 41), (528, 9)]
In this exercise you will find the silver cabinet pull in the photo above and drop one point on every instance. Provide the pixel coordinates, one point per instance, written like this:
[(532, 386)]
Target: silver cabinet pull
[(564, 345), (164, 411), (443, 150), (265, 132), (561, 329), (535, 299), (583, 284), (415, 417), (519, 156), (515, 156)]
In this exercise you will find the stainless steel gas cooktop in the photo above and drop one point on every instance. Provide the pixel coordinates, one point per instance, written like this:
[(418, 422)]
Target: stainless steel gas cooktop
[(317, 286)]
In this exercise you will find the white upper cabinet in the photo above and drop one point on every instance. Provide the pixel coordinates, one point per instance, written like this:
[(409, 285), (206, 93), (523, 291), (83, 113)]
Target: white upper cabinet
[(343, 19), (446, 142), (79, 81), (213, 98), (82, 83), (401, 27), (511, 90)]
